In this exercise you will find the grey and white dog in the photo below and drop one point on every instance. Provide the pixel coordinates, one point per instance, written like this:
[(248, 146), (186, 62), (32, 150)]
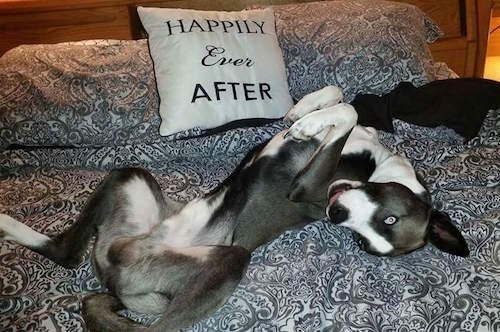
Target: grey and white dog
[(184, 260)]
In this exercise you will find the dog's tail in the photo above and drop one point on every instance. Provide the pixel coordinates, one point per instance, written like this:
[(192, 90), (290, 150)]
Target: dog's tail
[(67, 249), (99, 312)]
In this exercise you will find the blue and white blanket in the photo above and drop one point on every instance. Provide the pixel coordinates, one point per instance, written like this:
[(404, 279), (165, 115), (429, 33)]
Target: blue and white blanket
[(313, 279)]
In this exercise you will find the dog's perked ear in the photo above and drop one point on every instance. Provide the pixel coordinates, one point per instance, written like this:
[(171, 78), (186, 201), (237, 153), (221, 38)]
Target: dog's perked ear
[(445, 236)]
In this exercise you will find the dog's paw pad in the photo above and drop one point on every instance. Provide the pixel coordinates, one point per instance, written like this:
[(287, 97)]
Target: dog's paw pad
[(323, 98), (297, 112), (305, 129)]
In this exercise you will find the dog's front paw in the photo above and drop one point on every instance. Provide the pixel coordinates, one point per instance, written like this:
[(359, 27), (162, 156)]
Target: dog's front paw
[(306, 128), (341, 116), (323, 98), (298, 111)]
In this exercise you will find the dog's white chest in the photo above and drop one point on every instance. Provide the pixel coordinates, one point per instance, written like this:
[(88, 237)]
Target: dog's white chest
[(191, 225), (365, 139)]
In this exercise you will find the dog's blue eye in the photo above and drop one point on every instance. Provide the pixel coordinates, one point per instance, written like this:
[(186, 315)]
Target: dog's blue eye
[(391, 220)]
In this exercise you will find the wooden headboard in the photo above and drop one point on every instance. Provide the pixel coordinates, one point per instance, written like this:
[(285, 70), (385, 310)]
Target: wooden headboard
[(464, 22)]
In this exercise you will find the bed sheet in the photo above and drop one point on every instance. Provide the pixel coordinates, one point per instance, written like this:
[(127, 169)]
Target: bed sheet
[(312, 279)]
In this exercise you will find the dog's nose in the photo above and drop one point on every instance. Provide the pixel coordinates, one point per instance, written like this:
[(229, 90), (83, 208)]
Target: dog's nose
[(337, 214)]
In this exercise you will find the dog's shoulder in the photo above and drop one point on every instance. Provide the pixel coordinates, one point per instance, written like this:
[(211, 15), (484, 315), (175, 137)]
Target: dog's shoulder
[(364, 140)]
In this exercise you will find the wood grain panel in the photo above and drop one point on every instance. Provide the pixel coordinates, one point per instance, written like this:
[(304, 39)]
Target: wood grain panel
[(455, 59), (52, 21), (446, 13), (45, 20), (454, 53), (63, 25), (16, 6)]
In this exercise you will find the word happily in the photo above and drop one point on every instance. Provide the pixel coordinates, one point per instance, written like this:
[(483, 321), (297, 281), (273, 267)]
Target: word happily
[(206, 25), (232, 90)]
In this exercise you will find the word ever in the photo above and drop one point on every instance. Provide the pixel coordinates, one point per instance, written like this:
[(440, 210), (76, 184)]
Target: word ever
[(213, 58), (182, 26), (234, 90)]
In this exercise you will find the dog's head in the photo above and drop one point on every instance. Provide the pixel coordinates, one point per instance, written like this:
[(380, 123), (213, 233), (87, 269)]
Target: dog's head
[(388, 219)]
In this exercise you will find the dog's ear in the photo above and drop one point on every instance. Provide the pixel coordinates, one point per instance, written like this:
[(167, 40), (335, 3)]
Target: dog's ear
[(445, 236)]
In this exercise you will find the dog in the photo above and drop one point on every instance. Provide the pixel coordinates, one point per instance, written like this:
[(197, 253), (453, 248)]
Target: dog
[(184, 260)]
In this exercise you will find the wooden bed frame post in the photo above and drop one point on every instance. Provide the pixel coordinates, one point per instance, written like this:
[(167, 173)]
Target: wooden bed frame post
[(483, 13)]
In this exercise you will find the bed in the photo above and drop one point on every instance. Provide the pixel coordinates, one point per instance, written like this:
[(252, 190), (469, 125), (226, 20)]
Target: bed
[(56, 147)]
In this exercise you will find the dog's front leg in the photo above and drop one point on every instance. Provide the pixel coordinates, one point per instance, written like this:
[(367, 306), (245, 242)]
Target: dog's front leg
[(332, 126), (317, 100)]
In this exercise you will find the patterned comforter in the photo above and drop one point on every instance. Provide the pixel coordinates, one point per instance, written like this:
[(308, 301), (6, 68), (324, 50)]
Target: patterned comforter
[(313, 279)]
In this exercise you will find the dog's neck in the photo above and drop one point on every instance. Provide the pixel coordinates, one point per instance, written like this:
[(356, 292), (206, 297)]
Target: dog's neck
[(388, 166)]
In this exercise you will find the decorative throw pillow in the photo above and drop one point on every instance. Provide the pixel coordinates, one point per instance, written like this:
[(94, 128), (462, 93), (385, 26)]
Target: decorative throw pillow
[(213, 68)]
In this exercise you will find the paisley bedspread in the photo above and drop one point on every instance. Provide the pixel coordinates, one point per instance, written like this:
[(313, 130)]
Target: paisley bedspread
[(312, 279)]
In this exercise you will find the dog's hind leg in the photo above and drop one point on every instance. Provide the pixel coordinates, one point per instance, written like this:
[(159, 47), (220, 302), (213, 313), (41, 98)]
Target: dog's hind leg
[(210, 287), (99, 311), (196, 280), (104, 205), (332, 126)]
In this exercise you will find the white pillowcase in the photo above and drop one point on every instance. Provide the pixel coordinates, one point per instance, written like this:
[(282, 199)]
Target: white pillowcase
[(212, 67)]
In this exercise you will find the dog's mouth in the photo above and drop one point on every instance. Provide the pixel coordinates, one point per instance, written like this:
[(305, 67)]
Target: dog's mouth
[(336, 211), (336, 191)]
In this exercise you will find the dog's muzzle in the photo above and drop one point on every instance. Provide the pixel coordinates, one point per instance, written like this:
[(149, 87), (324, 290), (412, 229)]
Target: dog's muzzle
[(335, 211)]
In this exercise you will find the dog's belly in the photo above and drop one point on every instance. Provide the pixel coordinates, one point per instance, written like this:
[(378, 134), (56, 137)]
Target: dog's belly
[(139, 233), (188, 234), (195, 225)]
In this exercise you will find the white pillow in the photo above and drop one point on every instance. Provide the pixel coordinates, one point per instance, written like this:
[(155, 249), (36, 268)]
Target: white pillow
[(212, 67)]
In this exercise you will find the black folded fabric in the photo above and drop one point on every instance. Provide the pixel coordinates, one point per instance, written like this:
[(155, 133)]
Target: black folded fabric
[(373, 111), (460, 104)]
